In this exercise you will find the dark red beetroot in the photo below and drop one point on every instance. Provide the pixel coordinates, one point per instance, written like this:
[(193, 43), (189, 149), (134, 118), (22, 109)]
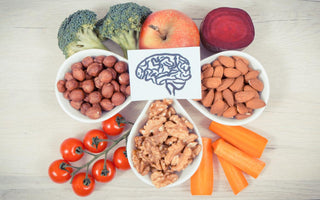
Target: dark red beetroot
[(226, 29)]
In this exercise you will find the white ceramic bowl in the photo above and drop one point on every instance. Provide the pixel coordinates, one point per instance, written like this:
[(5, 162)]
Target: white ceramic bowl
[(65, 104), (185, 174), (264, 95)]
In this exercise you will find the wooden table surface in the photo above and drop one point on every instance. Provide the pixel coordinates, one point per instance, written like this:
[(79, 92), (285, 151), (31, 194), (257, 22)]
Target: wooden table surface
[(32, 124)]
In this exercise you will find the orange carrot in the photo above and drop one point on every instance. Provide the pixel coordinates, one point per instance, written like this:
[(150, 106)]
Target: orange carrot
[(242, 138), (202, 179), (239, 159), (234, 175)]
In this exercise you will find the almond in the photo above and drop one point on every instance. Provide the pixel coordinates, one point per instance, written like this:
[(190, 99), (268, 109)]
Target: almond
[(208, 99), (203, 87), (208, 72), (251, 75), (218, 107), (244, 96), (230, 112), (242, 116), (250, 111), (228, 97), (256, 84), (241, 108), (226, 61), (218, 71), (237, 85), (242, 59), (205, 66), (215, 63), (203, 93), (226, 107), (217, 96), (231, 72), (255, 103), (225, 83), (249, 88), (212, 82), (242, 67)]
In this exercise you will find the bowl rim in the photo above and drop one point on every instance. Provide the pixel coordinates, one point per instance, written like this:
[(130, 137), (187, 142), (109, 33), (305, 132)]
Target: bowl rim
[(264, 94), (133, 133), (66, 107)]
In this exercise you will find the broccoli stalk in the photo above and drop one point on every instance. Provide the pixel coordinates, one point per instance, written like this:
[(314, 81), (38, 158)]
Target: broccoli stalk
[(127, 40), (76, 33), (122, 24)]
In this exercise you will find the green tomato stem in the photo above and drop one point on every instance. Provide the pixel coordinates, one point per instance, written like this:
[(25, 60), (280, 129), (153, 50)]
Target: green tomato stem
[(105, 162), (105, 140), (96, 156), (122, 120), (88, 152)]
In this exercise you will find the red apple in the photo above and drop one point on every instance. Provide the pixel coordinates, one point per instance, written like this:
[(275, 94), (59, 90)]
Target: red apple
[(168, 29)]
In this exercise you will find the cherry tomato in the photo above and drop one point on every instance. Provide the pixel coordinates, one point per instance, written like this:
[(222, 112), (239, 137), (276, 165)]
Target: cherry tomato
[(110, 126), (59, 172), (120, 159), (82, 186), (100, 175), (90, 141), (71, 149)]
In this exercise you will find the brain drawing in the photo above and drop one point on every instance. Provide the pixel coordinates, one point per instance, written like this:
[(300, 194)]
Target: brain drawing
[(171, 70)]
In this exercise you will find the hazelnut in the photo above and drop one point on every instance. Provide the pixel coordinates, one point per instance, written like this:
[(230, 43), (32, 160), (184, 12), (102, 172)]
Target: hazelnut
[(61, 86), (118, 98), (94, 69), (88, 86), (109, 61), (84, 107), (77, 65), (105, 76), (78, 74), (87, 61), (121, 67), (99, 59), (124, 78), (95, 97), (76, 104), (77, 95), (94, 112), (106, 104), (72, 84), (68, 76), (107, 90)]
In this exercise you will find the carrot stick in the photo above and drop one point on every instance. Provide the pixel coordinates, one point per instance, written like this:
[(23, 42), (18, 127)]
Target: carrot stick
[(242, 138), (234, 175), (202, 179), (234, 156)]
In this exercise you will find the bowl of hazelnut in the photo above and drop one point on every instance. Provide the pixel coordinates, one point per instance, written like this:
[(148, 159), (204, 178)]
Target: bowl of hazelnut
[(93, 85)]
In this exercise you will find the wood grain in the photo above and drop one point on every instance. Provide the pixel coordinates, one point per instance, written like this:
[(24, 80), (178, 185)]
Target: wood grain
[(32, 125)]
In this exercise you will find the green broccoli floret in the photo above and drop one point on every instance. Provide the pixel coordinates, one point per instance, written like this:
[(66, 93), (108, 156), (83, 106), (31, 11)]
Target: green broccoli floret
[(122, 24), (76, 33)]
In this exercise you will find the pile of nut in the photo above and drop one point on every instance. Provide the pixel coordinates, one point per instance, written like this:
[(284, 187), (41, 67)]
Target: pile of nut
[(96, 84), (166, 144), (230, 88)]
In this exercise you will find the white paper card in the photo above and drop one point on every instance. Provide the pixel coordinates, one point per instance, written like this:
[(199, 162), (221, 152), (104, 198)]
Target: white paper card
[(165, 73)]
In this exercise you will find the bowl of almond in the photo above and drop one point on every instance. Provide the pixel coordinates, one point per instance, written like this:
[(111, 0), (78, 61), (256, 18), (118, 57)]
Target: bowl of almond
[(235, 88)]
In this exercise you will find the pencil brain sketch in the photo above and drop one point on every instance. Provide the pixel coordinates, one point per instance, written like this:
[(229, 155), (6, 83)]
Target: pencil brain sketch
[(171, 70)]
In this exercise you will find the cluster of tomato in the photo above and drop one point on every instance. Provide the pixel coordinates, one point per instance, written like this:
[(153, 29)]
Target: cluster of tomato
[(95, 143)]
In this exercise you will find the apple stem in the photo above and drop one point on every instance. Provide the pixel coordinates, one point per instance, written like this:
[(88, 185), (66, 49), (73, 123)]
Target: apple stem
[(163, 36)]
